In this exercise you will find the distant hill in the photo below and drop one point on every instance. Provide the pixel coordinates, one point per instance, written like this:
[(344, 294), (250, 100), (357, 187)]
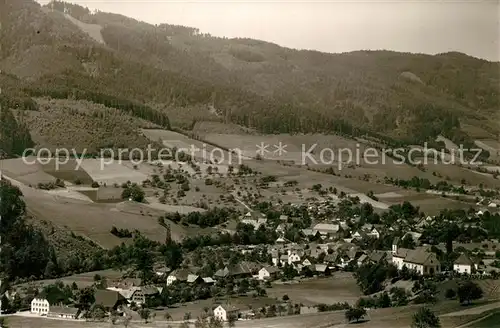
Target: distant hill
[(397, 97)]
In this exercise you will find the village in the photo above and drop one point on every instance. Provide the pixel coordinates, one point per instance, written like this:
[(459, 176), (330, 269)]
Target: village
[(407, 243)]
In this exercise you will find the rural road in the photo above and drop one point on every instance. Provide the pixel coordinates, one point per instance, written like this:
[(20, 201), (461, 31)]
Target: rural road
[(470, 323), (474, 310)]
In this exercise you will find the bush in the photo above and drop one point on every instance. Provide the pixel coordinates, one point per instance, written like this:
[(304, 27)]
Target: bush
[(95, 184), (355, 314), (425, 318), (469, 291), (121, 233)]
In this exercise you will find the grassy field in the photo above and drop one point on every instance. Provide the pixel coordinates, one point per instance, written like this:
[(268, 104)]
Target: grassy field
[(491, 321), (380, 318), (341, 287), (95, 220)]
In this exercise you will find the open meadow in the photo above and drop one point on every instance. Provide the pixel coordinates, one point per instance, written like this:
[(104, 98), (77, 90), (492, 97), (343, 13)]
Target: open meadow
[(341, 287)]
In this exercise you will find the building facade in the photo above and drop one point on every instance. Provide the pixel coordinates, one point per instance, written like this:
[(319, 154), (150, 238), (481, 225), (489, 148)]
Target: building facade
[(40, 306)]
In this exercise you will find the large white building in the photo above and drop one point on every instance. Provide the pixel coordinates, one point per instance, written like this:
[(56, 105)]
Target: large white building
[(40, 306), (421, 259)]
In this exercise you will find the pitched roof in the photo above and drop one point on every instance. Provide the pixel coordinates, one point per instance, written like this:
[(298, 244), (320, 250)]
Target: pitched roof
[(208, 280), (127, 293), (180, 274), (402, 252), (229, 308), (377, 256), (464, 260), (222, 272), (419, 256), (318, 267), (149, 290), (63, 310), (326, 227), (192, 278), (308, 232), (362, 258), (331, 258), (271, 269), (107, 298)]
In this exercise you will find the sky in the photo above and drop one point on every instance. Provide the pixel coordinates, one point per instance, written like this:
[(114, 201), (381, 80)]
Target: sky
[(418, 26)]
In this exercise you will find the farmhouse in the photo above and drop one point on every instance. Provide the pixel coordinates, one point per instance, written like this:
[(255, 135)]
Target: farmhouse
[(374, 233), (40, 306), (109, 299), (268, 272), (63, 312), (294, 256), (178, 275), (420, 259), (142, 294), (225, 312), (463, 264)]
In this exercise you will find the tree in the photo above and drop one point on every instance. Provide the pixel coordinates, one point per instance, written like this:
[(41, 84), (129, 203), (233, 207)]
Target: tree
[(355, 314), (85, 299), (450, 293), (469, 291), (425, 318), (144, 264), (215, 323), (200, 323), (385, 301), (145, 314), (231, 320)]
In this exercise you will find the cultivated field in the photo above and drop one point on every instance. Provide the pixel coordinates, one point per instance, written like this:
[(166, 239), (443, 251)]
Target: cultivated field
[(30, 174), (95, 220), (108, 171)]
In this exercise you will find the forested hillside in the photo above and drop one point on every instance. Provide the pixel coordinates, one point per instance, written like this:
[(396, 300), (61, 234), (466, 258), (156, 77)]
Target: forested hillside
[(401, 97)]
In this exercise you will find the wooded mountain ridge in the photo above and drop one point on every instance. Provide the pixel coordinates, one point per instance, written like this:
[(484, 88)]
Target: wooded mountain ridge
[(399, 97)]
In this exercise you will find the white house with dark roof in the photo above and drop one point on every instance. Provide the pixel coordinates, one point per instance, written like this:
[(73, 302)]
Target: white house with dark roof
[(268, 272), (178, 275), (224, 312), (463, 264), (421, 259)]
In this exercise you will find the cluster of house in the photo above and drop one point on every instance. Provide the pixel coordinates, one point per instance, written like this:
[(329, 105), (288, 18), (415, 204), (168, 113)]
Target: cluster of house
[(425, 262), (114, 299), (121, 294), (323, 230), (41, 306)]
